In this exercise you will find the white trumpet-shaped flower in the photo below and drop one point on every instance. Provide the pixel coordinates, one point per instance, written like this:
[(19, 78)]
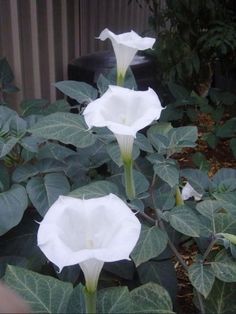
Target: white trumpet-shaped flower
[(89, 233), (188, 192), (124, 112), (125, 47)]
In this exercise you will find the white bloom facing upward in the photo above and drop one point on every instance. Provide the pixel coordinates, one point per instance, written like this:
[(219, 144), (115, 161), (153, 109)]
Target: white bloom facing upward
[(126, 46), (89, 233), (188, 192), (124, 112)]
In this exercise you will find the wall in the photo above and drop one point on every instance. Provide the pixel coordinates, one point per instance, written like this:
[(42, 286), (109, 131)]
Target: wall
[(40, 37)]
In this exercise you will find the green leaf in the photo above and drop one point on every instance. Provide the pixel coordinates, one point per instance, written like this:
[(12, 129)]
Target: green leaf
[(142, 142), (185, 136), (208, 208), (76, 304), (224, 222), (168, 172), (221, 300), (114, 300), (151, 298), (26, 171), (198, 179), (13, 203), (151, 243), (202, 278), (95, 189), (228, 201), (224, 267), (80, 91), (67, 128), (6, 146), (44, 294), (184, 220), (178, 91), (55, 151), (33, 106), (44, 191), (159, 271)]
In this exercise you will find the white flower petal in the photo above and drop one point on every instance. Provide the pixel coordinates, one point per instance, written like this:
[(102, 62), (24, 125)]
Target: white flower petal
[(123, 111), (188, 192), (125, 46), (75, 230)]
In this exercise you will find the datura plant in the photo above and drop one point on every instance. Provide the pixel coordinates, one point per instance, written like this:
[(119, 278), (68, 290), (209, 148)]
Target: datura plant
[(96, 208)]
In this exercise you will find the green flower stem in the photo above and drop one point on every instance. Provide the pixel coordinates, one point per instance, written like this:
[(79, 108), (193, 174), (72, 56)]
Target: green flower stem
[(90, 301), (120, 79), (178, 197), (129, 180)]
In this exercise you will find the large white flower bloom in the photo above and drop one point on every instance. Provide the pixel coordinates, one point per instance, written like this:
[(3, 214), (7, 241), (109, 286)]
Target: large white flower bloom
[(88, 232), (188, 192), (126, 46), (124, 112)]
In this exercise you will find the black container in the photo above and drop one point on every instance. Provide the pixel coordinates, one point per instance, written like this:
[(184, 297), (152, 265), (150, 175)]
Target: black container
[(88, 68)]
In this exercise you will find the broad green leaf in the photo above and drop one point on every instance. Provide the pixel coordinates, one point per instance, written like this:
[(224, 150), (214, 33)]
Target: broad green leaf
[(26, 171), (80, 91), (198, 179), (76, 304), (13, 203), (43, 294), (114, 300), (221, 300), (17, 126), (185, 136), (151, 243), (184, 220), (151, 298), (7, 145), (168, 172), (159, 271), (224, 222), (30, 143), (142, 142), (224, 267), (33, 106), (67, 128), (223, 175), (201, 277), (95, 189), (44, 191), (228, 201), (208, 208), (55, 151)]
